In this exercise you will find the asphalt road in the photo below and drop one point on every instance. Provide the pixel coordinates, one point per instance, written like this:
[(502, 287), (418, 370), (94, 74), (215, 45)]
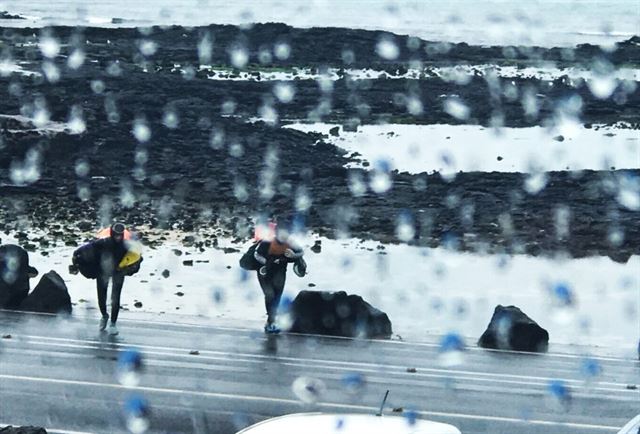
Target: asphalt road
[(63, 375)]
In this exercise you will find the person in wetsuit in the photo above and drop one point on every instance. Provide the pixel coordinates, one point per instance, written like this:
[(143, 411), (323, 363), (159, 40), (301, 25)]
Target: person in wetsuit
[(274, 256), (110, 252)]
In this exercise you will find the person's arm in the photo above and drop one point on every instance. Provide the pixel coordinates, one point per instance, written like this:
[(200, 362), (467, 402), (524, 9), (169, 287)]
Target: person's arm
[(261, 252), (293, 252)]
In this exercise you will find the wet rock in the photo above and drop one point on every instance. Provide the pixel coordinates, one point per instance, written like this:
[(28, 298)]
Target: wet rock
[(4, 15), (317, 246), (180, 293), (188, 263), (14, 275), (338, 314), (22, 430), (335, 131), (137, 304), (166, 274), (50, 295), (412, 370), (194, 352), (6, 336), (559, 138), (177, 252), (512, 329)]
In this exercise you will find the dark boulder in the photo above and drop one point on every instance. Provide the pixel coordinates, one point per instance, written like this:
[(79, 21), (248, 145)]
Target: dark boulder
[(511, 329), (50, 295), (337, 314), (15, 272), (22, 430)]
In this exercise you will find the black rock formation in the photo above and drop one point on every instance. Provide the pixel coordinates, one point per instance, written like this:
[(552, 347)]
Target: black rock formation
[(14, 275), (338, 314), (512, 329), (50, 295)]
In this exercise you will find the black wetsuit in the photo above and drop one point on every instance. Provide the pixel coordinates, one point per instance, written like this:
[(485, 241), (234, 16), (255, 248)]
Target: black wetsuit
[(272, 283), (110, 253)]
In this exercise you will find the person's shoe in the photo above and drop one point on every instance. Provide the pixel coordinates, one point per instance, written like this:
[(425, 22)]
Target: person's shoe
[(103, 323), (271, 328), (113, 330)]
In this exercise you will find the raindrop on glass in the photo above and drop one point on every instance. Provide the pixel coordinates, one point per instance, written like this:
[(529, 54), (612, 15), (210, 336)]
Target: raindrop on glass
[(129, 367), (387, 48), (76, 59), (141, 130), (282, 50), (454, 106), (308, 390), (49, 46)]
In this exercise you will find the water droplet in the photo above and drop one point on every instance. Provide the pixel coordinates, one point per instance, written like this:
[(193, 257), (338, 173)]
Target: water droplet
[(405, 228), (147, 47), (354, 383), (216, 138), (218, 296), (456, 108), (129, 367), (114, 69), (602, 83), (137, 411), (97, 86), (380, 178), (76, 59), (530, 103), (82, 168), (357, 186), (303, 200), (49, 46), (76, 124), (348, 57), (284, 92), (51, 71), (563, 294), (28, 171), (282, 50), (308, 390), (590, 368), (414, 106), (325, 83), (127, 197), (387, 48), (170, 119), (264, 56), (560, 393), (629, 192), (535, 183), (141, 157), (239, 57), (205, 48), (268, 114), (141, 130)]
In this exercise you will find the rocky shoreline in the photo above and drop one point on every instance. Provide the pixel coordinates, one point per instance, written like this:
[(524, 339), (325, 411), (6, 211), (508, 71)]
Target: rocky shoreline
[(170, 148)]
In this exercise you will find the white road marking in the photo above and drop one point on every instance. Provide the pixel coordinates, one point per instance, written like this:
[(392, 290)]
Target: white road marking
[(295, 402), (182, 352), (619, 391)]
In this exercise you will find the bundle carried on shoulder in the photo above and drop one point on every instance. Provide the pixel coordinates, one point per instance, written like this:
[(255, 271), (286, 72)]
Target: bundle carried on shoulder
[(87, 259), (248, 261)]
